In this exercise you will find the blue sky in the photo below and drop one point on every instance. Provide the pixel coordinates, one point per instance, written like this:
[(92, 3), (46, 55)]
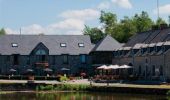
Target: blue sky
[(69, 16)]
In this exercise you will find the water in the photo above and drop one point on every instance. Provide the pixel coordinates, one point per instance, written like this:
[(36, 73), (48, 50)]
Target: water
[(78, 96)]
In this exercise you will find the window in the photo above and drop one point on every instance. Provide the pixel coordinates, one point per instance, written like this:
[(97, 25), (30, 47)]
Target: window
[(81, 44), (15, 59), (139, 70), (63, 45), (40, 52), (83, 58), (65, 59), (161, 70), (153, 70), (53, 60), (14, 45)]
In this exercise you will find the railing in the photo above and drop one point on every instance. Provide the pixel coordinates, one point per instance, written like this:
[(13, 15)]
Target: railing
[(42, 64)]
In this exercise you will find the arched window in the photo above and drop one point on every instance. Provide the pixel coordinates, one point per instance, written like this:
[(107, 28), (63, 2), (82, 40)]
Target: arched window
[(40, 52)]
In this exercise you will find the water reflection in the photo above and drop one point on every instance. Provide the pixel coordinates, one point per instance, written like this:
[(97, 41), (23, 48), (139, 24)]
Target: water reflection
[(78, 96)]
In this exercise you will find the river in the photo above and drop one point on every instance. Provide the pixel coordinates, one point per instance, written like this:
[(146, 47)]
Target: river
[(78, 96)]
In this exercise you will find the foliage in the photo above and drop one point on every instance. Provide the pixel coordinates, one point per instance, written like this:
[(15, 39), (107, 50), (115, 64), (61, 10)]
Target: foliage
[(121, 30), (63, 87), (2, 31), (168, 93), (160, 21), (63, 78), (94, 33), (142, 22)]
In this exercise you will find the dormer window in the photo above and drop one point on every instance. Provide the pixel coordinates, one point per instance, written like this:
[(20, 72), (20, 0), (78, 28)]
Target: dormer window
[(14, 45), (81, 44), (63, 45)]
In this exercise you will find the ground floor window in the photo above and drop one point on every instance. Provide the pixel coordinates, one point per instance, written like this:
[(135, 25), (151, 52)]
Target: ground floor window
[(153, 70), (139, 70), (161, 70), (83, 58), (65, 59), (15, 59)]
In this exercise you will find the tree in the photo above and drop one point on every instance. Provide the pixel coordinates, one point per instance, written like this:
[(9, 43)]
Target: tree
[(109, 20), (142, 22), (160, 21), (2, 31), (94, 33)]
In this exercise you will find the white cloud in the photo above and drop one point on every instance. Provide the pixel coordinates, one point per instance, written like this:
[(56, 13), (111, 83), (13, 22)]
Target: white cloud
[(85, 14), (69, 24), (73, 23), (123, 3), (65, 27), (165, 9), (104, 5)]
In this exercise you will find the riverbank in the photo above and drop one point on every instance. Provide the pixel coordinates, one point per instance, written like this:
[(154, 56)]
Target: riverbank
[(81, 85)]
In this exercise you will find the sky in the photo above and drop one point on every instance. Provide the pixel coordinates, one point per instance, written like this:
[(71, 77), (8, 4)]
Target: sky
[(65, 17)]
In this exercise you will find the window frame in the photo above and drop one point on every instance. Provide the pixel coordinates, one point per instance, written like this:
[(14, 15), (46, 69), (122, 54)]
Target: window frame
[(63, 45), (65, 61), (81, 45), (85, 58), (14, 44)]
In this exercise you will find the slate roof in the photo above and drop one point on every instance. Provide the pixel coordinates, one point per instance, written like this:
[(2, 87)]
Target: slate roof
[(148, 37), (26, 43), (107, 44)]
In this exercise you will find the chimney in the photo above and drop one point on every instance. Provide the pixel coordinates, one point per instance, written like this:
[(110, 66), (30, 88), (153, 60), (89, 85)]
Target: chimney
[(163, 26)]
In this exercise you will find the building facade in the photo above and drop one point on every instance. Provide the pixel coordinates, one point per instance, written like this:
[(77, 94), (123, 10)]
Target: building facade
[(54, 54), (148, 53)]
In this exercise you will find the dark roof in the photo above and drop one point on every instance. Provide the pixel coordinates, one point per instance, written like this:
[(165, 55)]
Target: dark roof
[(26, 43), (107, 44), (152, 36)]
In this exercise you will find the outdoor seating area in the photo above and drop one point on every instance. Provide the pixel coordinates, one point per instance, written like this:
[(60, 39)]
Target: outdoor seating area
[(113, 73)]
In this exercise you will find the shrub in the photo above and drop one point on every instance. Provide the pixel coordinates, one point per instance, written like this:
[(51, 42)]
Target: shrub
[(63, 78), (168, 93)]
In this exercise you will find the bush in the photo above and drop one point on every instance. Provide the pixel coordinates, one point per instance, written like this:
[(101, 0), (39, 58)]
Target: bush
[(43, 88), (63, 78), (168, 93), (63, 87)]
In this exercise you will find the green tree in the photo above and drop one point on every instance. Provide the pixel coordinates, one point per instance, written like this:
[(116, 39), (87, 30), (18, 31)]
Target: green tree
[(94, 33), (142, 22), (2, 31), (109, 20), (160, 21)]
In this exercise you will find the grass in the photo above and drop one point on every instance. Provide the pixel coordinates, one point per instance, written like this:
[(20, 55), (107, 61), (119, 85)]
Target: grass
[(63, 87)]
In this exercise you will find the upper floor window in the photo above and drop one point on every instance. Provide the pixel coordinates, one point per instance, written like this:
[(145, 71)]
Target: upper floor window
[(14, 45), (63, 45), (40, 52), (81, 44)]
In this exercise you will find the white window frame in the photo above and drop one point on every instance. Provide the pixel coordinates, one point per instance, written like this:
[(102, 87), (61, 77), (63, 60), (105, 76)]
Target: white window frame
[(63, 45), (14, 44), (81, 44)]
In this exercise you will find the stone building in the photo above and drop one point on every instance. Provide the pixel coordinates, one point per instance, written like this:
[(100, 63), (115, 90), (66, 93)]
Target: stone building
[(55, 53), (148, 53)]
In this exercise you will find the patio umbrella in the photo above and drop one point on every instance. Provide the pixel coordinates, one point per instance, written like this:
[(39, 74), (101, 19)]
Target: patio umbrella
[(65, 69), (113, 67), (48, 70), (102, 67), (12, 70), (29, 70), (125, 66)]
